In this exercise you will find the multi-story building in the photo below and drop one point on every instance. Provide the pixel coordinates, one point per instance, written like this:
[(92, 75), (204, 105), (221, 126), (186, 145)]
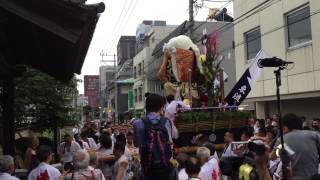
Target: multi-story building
[(149, 33), (126, 49), (118, 93), (224, 48), (91, 89), (106, 74), (118, 89), (287, 29), (82, 101)]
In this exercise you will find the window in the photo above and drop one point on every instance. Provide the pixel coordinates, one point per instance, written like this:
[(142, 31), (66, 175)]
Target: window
[(299, 27), (142, 67), (140, 94), (153, 40), (253, 43), (135, 95), (147, 43), (139, 69), (135, 72)]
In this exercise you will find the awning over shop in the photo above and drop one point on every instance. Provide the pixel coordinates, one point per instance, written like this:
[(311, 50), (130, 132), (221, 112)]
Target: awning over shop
[(125, 81)]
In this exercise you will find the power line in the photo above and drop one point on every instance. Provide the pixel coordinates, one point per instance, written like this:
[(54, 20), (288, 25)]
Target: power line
[(134, 6), (235, 23), (238, 19), (123, 25), (261, 35), (113, 31), (120, 24), (225, 5), (254, 8), (272, 30), (229, 1), (221, 7), (251, 10), (215, 1)]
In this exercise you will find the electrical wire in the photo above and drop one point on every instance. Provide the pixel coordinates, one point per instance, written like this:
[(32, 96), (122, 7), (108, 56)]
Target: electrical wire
[(273, 30), (202, 23), (261, 35), (120, 24), (243, 42), (118, 19), (124, 25), (254, 8), (215, 1), (207, 7), (238, 20)]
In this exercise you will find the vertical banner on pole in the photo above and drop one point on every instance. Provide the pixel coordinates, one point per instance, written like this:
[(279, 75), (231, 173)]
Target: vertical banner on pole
[(247, 81)]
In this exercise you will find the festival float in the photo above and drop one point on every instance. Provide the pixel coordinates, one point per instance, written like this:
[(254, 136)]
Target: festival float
[(194, 75)]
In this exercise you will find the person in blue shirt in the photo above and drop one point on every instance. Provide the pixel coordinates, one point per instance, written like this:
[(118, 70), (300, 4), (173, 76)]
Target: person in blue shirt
[(155, 108)]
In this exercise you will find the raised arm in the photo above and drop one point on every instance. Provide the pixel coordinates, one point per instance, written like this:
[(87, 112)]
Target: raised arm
[(122, 170)]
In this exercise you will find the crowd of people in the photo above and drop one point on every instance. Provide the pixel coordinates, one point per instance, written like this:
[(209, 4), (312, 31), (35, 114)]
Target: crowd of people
[(144, 149)]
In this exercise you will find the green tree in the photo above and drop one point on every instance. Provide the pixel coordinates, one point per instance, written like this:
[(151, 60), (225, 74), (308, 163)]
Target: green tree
[(41, 99)]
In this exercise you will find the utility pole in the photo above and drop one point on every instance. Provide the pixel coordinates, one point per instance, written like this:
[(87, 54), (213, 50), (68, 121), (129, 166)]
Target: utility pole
[(191, 20), (116, 88), (114, 61)]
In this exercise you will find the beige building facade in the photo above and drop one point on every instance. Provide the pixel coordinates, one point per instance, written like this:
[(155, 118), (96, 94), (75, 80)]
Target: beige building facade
[(287, 29), (153, 34)]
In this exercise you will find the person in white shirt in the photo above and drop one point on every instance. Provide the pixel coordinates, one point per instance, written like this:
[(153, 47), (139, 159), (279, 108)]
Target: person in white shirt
[(170, 113), (182, 158), (7, 168), (227, 151), (83, 145), (76, 130), (67, 149), (120, 168), (183, 174), (228, 139), (209, 166), (105, 150), (44, 170), (172, 106), (92, 144), (193, 169)]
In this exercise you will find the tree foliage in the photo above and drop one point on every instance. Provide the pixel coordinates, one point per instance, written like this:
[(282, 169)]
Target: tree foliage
[(40, 100)]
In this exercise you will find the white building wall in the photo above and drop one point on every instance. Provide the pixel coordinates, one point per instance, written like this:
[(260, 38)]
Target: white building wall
[(304, 77)]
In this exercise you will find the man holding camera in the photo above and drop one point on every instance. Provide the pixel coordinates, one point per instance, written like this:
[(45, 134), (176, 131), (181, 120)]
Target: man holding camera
[(305, 146)]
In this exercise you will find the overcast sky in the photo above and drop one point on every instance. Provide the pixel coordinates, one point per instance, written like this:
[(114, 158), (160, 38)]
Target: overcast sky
[(111, 25)]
